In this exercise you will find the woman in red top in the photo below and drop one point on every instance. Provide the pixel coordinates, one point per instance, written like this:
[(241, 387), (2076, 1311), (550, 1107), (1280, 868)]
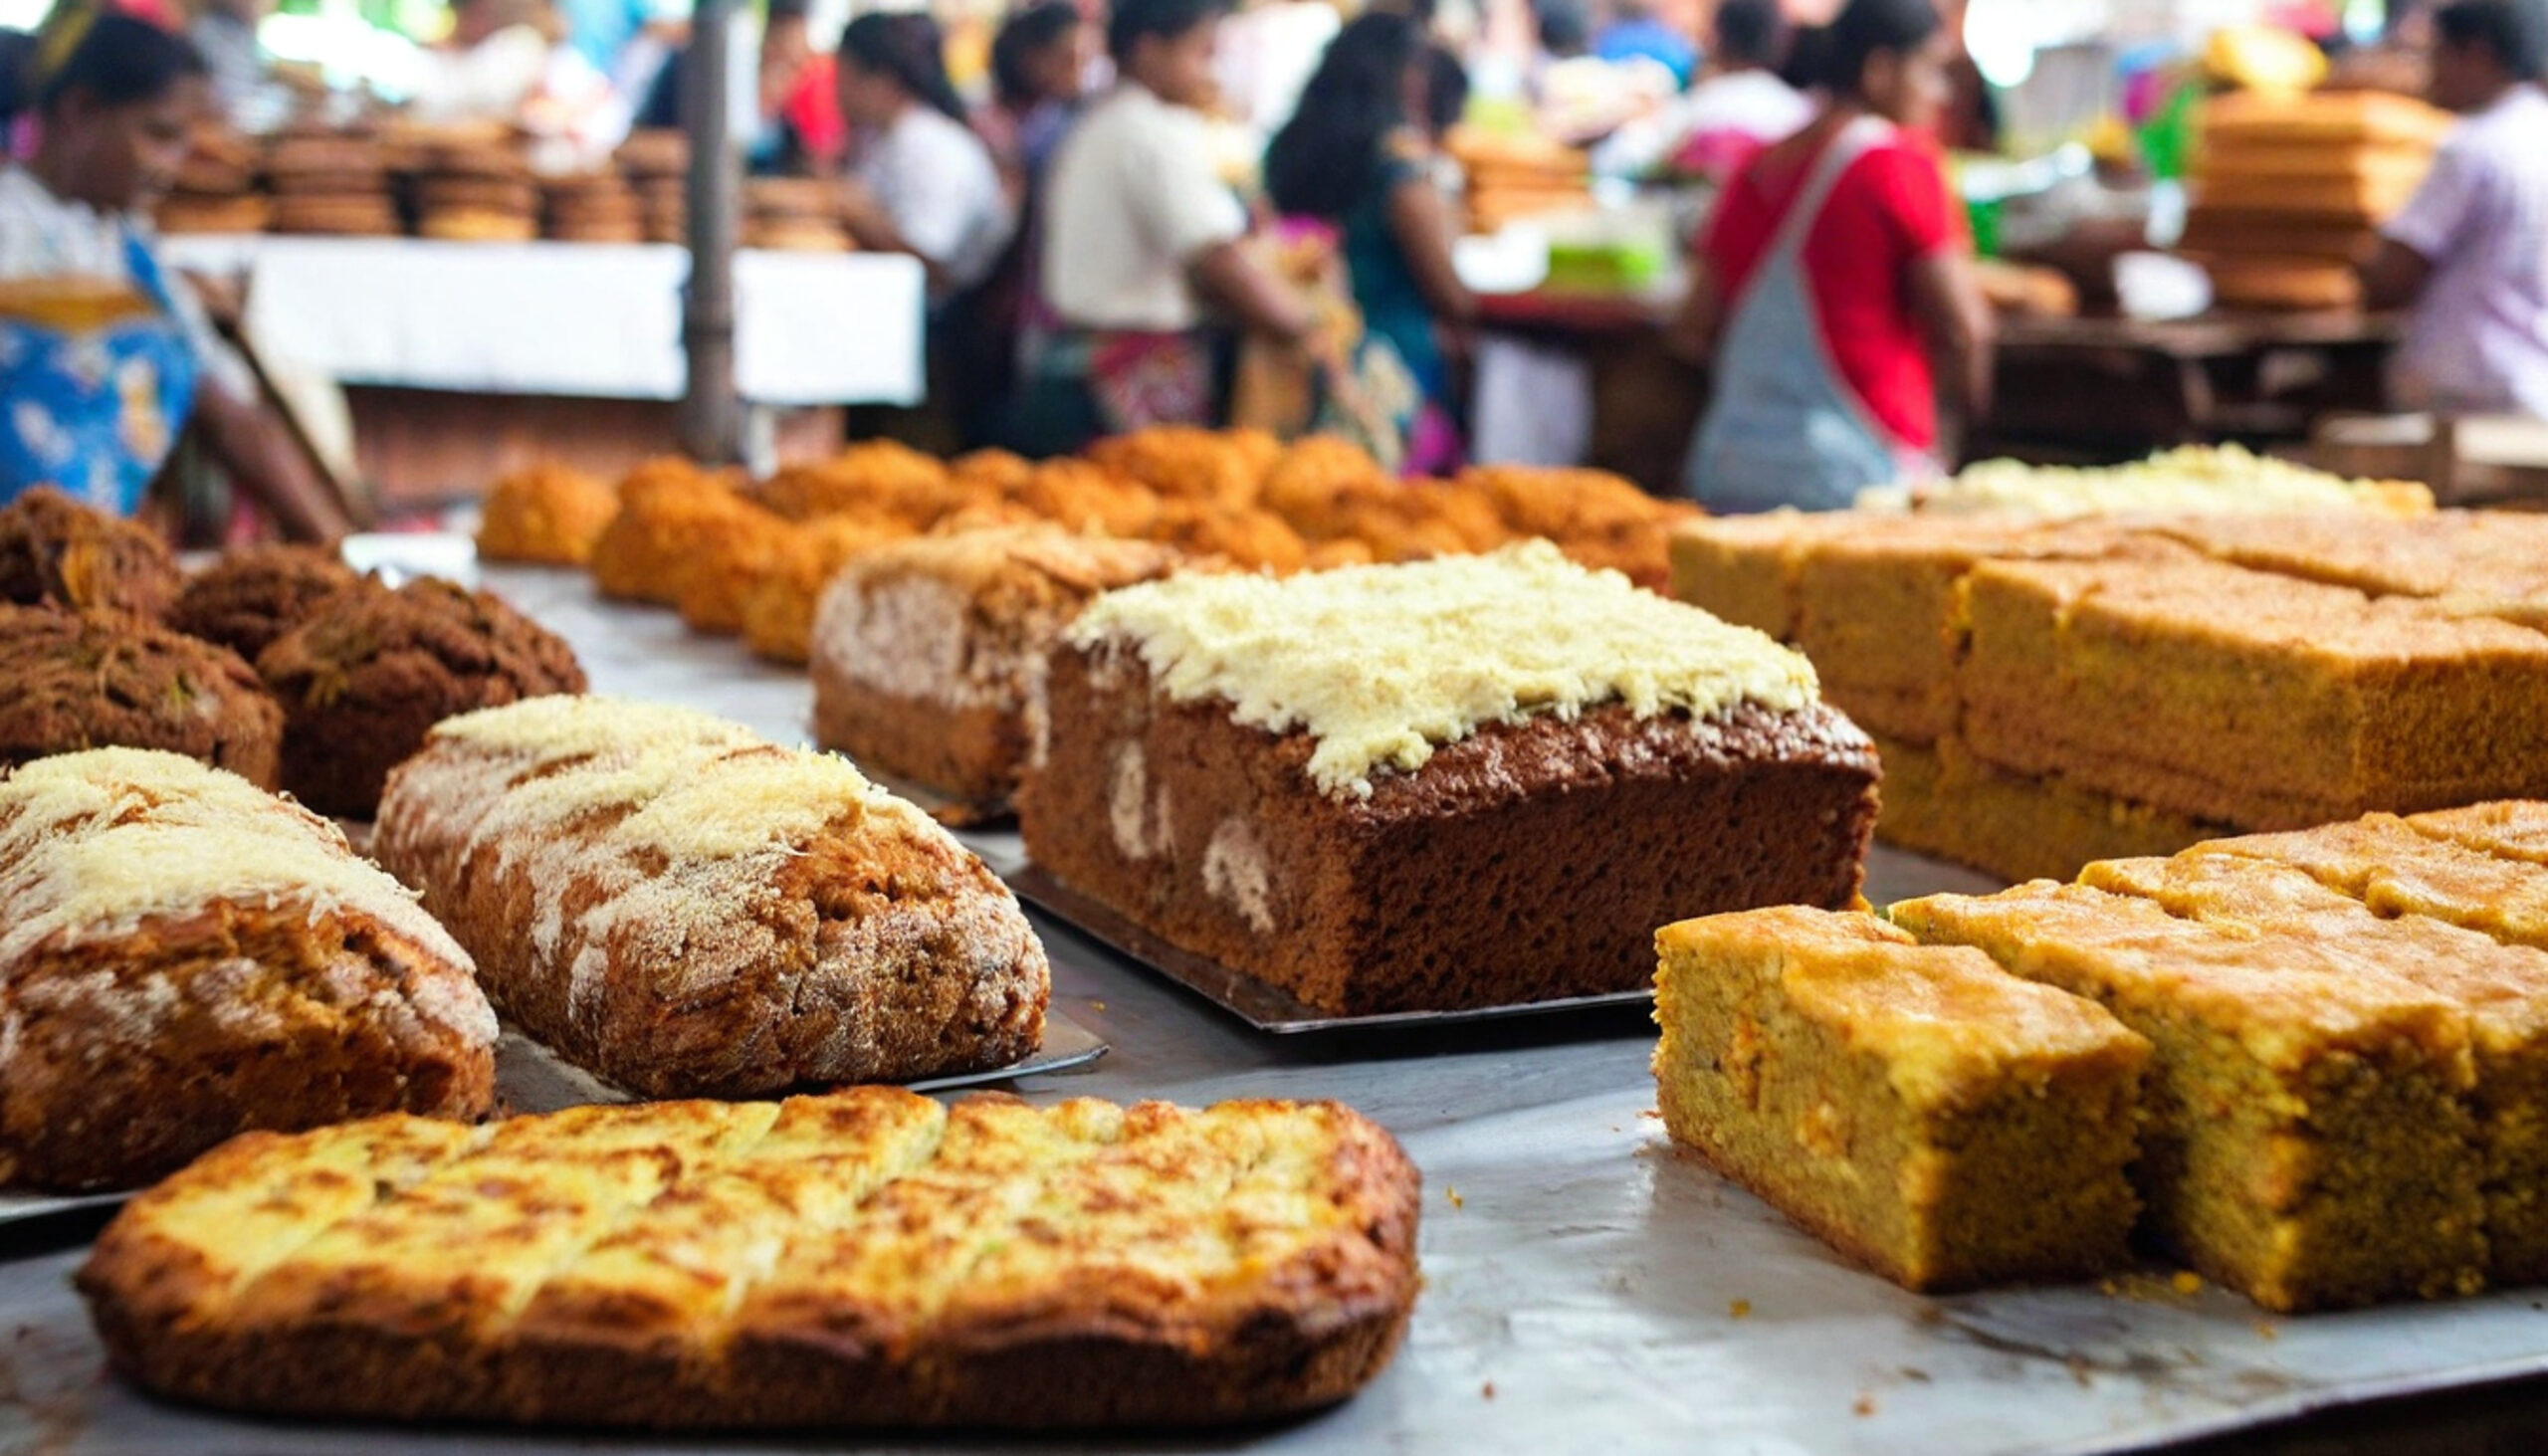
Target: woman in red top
[(1834, 271)]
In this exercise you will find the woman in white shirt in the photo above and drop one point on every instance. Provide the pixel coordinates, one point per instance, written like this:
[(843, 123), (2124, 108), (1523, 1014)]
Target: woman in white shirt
[(1140, 234), (923, 184), (105, 356)]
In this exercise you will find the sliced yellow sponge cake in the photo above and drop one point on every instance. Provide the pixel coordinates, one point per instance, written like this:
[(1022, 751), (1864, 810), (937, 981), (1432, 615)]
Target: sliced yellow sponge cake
[(1926, 1113)]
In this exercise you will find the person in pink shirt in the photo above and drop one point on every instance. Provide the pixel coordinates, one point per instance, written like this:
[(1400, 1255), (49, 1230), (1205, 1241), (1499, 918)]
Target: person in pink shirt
[(2469, 258)]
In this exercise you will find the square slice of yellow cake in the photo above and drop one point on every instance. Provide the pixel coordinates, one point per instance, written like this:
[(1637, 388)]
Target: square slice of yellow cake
[(1916, 1107)]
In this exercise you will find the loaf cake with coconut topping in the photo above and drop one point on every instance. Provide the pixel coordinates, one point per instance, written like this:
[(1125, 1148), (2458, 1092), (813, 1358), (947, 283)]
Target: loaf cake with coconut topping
[(928, 655), (686, 909), (187, 957), (1455, 783)]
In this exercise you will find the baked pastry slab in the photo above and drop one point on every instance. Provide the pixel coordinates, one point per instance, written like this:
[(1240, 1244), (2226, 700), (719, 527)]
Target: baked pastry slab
[(677, 906), (930, 654), (2502, 990), (185, 957), (865, 1258), (2308, 1140), (1463, 784), (1918, 1108)]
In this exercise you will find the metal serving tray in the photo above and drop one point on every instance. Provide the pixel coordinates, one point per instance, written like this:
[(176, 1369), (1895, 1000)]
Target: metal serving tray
[(529, 1078), (1264, 1006)]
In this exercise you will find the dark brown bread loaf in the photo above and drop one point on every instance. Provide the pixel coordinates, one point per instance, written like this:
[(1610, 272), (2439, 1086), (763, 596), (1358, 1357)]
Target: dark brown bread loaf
[(70, 682), (374, 668), (675, 905), (53, 549), (249, 597), (187, 957)]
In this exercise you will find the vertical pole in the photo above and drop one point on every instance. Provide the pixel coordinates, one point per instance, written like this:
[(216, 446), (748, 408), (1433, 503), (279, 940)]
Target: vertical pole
[(710, 411)]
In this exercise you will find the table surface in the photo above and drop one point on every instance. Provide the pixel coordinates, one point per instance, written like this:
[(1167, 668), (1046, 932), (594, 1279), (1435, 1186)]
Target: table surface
[(1585, 1285)]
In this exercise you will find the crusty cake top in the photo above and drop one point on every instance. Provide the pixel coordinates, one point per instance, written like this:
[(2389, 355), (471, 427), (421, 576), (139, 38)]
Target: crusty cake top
[(868, 1208), (93, 843), (1946, 1021), (554, 729), (2195, 480), (1383, 663)]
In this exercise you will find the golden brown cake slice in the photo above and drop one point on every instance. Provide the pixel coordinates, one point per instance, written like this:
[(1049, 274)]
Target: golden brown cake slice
[(1743, 568), (930, 654), (1918, 1108), (2510, 829), (1940, 800), (2308, 1138), (2389, 865), (2270, 703), (2504, 989), (866, 1258)]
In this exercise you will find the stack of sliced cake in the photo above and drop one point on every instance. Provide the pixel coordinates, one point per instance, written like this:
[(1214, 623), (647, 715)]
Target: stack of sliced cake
[(794, 215), (478, 192), (655, 164), (591, 207), (328, 182), (2290, 191), (216, 188), (2346, 1033), (2046, 694)]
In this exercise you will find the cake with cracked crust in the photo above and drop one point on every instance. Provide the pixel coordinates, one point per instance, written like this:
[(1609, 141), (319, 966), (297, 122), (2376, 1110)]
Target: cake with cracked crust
[(867, 1258), (675, 905), (2502, 990), (930, 654), (188, 956), (2308, 1138), (1456, 783), (1916, 1107)]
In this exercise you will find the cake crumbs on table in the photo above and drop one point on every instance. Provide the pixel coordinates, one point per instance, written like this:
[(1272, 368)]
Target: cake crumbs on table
[(1740, 1309), (2266, 1330), (2186, 1282), (1487, 1391), (1454, 1195), (1865, 1406)]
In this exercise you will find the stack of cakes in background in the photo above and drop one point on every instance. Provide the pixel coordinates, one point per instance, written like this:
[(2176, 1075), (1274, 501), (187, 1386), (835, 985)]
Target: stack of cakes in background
[(794, 215), (333, 183), (1510, 178), (478, 192), (656, 162), (2290, 191), (216, 189), (591, 207)]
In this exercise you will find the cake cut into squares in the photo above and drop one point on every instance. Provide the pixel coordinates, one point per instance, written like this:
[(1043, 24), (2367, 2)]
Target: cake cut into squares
[(1940, 799), (2502, 989), (2308, 1138), (2509, 829), (1916, 1107), (1456, 783), (2395, 869), (2267, 702)]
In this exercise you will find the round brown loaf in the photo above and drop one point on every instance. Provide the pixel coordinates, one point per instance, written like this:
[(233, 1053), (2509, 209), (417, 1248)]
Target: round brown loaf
[(478, 225), (54, 550), (239, 969), (488, 194), (70, 682), (190, 214), (248, 598), (365, 679)]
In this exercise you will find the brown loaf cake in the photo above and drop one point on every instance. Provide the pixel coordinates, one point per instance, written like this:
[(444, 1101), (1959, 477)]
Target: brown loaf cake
[(1458, 783), (55, 550), (363, 678), (70, 682), (861, 1259), (187, 957), (681, 907), (928, 655), (248, 598)]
